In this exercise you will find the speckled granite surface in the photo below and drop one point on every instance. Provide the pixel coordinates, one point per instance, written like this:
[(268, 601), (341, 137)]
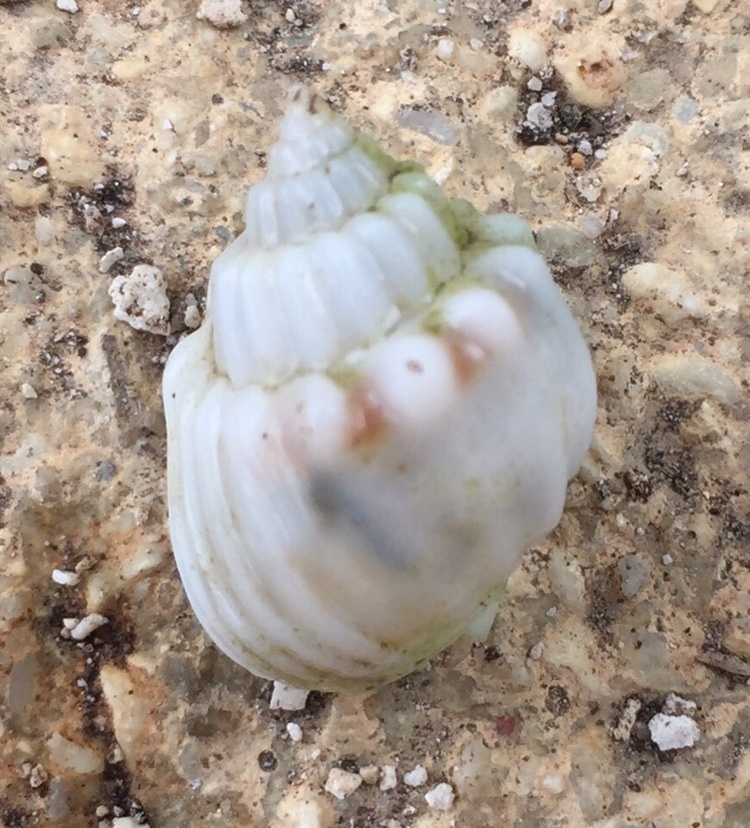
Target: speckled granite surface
[(620, 131)]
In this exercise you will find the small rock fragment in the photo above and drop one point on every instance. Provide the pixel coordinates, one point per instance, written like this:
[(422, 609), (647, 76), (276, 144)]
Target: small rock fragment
[(192, 317), (634, 572), (433, 124), (673, 732), (562, 20), (444, 49), (294, 731), (675, 705), (577, 161), (223, 14), (440, 797), (726, 662), (370, 774), (622, 730), (285, 697), (549, 99), (28, 392), (87, 625), (56, 801), (341, 783), (567, 580), (69, 6), (537, 115), (416, 777), (110, 258), (44, 230), (683, 374), (127, 822), (65, 577), (68, 757), (141, 299), (38, 776), (388, 778)]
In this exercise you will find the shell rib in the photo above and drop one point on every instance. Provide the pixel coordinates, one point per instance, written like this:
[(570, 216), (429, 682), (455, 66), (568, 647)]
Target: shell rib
[(379, 414)]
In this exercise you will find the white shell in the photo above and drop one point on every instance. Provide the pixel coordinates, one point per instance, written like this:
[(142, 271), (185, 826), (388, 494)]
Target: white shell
[(379, 414)]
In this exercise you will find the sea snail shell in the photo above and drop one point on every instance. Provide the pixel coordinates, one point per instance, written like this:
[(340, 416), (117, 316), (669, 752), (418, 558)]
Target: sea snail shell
[(379, 414)]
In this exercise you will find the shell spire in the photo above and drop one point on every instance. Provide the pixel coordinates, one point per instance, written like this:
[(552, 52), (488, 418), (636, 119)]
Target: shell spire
[(310, 135), (318, 177), (379, 414)]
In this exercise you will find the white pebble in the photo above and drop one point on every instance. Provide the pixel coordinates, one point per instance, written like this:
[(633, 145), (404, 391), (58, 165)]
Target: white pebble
[(667, 559), (415, 778), (87, 625), (140, 299), (118, 222), (40, 172), (534, 84), (65, 577), (67, 6), (388, 778), (440, 797), (294, 731), (110, 258), (28, 392), (341, 783), (127, 822), (192, 317), (285, 697), (538, 116), (673, 732)]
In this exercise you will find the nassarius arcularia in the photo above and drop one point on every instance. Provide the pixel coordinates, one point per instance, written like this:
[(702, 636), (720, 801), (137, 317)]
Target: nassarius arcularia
[(379, 414)]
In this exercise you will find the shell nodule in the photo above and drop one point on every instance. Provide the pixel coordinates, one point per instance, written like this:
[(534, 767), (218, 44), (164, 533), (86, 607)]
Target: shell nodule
[(379, 414)]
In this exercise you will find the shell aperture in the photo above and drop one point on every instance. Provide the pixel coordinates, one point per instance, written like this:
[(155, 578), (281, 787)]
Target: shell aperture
[(378, 416)]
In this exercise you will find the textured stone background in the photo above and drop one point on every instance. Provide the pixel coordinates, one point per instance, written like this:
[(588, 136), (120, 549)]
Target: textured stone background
[(636, 175)]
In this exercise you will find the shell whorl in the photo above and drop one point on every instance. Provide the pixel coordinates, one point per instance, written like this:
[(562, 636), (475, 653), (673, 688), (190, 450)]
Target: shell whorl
[(340, 242)]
